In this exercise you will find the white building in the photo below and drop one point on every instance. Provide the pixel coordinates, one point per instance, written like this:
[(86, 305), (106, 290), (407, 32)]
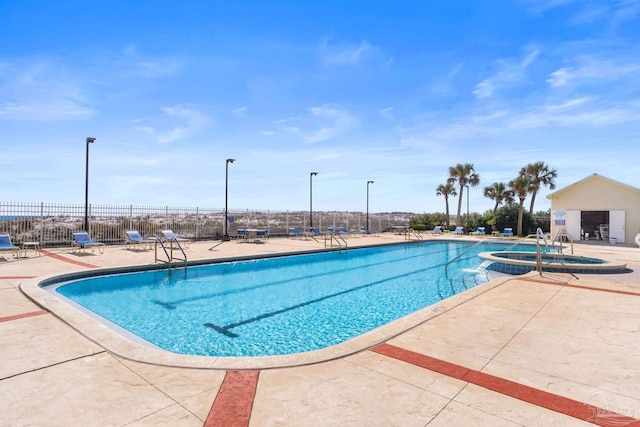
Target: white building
[(597, 208)]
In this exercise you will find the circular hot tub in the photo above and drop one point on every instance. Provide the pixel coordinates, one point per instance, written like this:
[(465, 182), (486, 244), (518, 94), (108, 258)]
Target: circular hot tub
[(523, 262)]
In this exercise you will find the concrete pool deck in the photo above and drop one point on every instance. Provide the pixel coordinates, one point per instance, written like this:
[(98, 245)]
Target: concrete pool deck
[(557, 349)]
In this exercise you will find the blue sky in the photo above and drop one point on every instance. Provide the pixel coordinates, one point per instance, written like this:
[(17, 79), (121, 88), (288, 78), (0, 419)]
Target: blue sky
[(394, 92)]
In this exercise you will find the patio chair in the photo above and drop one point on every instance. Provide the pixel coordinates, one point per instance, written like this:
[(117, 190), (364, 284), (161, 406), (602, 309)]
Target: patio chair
[(169, 236), (294, 232), (479, 232), (242, 233), (6, 245), (316, 231), (343, 230), (459, 231), (262, 234), (436, 230), (133, 238), (82, 241), (507, 232)]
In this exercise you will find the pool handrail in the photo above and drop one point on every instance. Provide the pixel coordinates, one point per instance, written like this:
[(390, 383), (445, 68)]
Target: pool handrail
[(446, 266), (409, 232), (169, 254), (331, 236), (539, 234), (559, 235)]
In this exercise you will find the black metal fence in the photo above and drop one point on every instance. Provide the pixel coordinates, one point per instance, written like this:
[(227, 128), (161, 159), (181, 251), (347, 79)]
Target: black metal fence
[(52, 224)]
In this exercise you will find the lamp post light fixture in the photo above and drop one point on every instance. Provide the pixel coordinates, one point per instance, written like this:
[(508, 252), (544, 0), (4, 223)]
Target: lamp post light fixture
[(368, 182), (86, 187), (225, 237), (311, 198)]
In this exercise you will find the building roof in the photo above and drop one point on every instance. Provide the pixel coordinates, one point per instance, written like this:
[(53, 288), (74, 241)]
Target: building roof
[(592, 177)]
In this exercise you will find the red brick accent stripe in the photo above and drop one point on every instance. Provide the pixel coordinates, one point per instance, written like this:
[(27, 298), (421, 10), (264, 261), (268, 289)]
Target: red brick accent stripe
[(69, 260), (522, 392), (233, 404), (590, 288), (16, 277), (22, 316)]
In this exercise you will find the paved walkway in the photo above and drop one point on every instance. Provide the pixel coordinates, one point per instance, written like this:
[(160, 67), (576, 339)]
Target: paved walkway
[(556, 349)]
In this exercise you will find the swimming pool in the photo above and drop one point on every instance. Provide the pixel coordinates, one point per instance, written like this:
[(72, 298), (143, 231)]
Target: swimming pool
[(280, 305)]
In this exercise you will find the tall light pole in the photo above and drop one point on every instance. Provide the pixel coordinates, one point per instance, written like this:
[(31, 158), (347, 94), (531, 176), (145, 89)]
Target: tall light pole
[(86, 187), (226, 200), (311, 198), (368, 182)]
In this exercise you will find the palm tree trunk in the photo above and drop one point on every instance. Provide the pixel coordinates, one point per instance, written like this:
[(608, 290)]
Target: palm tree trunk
[(459, 206), (446, 202), (533, 200), (520, 216)]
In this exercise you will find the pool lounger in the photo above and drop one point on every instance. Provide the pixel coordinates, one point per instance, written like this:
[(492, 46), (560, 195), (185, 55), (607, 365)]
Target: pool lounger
[(81, 241)]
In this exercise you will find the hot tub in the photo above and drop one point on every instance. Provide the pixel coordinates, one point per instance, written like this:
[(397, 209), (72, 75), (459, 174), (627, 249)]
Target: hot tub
[(523, 262)]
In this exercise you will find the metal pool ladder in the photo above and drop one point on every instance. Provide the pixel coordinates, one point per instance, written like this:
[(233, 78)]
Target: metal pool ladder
[(330, 237), (169, 253), (411, 232)]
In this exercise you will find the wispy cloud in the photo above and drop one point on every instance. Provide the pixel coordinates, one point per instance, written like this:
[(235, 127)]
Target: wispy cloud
[(583, 112), (324, 123), (541, 6), (239, 111), (591, 14), (387, 113), (592, 70), (578, 113), (510, 72), (345, 53), (616, 12), (136, 64), (625, 11), (182, 122), (42, 89), (446, 85)]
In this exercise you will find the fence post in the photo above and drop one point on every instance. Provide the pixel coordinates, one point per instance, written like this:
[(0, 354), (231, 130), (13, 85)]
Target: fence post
[(41, 240)]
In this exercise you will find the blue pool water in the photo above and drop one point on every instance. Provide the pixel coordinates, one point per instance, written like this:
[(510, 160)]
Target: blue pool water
[(280, 305)]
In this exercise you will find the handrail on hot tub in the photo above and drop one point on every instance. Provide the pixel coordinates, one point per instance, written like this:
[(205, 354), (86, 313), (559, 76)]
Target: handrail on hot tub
[(538, 235)]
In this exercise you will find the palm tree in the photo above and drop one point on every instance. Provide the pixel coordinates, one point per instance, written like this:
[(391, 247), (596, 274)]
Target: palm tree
[(520, 187), (446, 190), (499, 193), (463, 175), (538, 174)]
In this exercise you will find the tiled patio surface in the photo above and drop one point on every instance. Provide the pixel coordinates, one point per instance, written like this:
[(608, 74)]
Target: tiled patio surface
[(556, 350)]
